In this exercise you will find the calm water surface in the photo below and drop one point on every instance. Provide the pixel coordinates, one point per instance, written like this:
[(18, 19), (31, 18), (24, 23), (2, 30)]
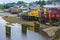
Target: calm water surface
[(17, 34)]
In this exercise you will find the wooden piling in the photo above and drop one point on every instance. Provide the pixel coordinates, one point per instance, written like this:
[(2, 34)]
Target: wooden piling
[(36, 27), (24, 28), (8, 31)]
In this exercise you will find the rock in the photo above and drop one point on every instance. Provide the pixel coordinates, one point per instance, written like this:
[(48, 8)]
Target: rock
[(6, 16), (51, 31), (57, 35), (47, 23)]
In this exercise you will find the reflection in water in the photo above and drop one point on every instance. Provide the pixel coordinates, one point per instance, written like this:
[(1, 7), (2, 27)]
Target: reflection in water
[(31, 28), (34, 36), (24, 29), (17, 33), (8, 31), (2, 32), (35, 28)]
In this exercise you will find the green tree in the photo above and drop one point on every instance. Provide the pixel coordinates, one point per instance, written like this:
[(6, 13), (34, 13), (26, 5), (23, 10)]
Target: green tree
[(8, 5), (1, 6), (11, 4), (49, 2), (20, 2), (42, 3), (38, 2)]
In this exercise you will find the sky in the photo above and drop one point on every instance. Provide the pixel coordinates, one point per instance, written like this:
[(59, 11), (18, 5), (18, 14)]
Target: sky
[(10, 1)]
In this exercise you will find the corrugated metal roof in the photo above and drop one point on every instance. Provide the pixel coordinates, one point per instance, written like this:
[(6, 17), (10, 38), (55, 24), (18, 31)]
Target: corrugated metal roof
[(51, 6)]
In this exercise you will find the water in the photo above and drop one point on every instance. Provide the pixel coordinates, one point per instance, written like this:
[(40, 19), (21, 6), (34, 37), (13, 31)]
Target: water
[(17, 34), (2, 32)]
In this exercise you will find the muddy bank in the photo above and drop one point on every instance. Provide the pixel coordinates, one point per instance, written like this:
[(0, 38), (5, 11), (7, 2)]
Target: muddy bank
[(18, 20), (53, 33)]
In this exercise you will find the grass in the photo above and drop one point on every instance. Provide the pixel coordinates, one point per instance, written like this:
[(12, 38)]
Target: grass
[(12, 19)]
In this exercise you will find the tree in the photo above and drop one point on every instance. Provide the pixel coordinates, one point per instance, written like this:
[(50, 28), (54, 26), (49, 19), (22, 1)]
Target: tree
[(30, 4), (42, 3), (56, 0), (11, 4), (8, 5), (20, 2), (49, 2), (38, 2), (1, 6)]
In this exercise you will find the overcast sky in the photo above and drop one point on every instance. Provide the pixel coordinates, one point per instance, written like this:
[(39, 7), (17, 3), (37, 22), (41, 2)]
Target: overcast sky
[(7, 1)]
